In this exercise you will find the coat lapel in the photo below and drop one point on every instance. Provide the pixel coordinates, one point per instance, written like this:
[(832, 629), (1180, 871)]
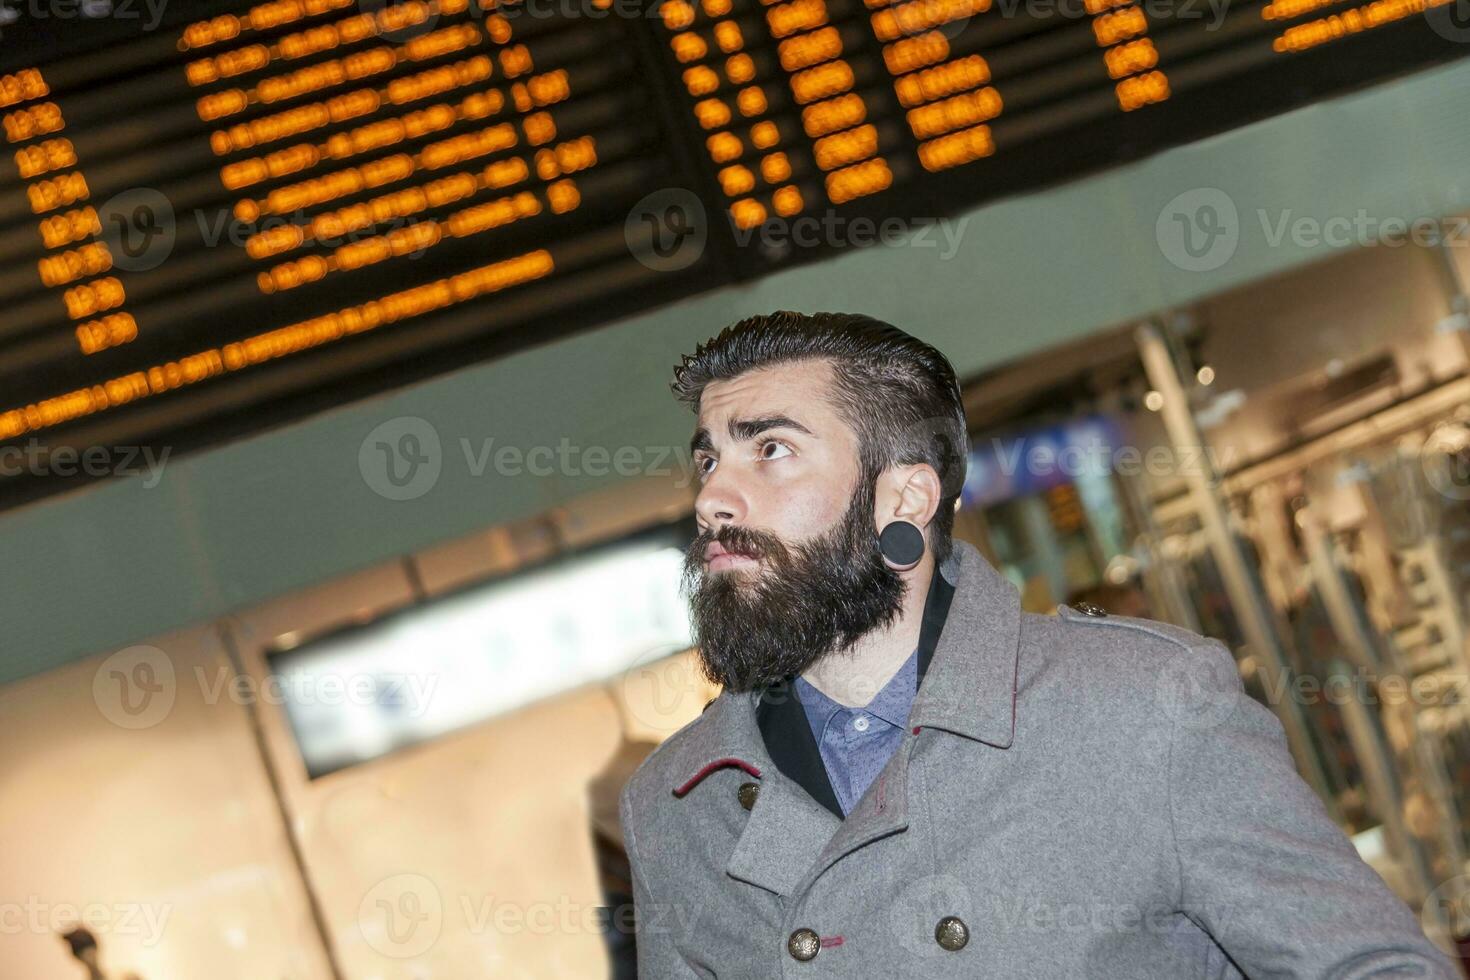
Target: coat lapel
[(970, 688), (786, 829), (883, 810)]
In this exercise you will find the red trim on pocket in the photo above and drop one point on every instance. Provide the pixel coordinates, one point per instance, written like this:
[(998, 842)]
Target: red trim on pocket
[(717, 764), (828, 941)]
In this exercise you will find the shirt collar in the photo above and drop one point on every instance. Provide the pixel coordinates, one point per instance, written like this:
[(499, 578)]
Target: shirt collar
[(891, 704)]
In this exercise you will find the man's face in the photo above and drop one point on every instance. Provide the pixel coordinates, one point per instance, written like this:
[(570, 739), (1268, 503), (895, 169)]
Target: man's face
[(786, 566)]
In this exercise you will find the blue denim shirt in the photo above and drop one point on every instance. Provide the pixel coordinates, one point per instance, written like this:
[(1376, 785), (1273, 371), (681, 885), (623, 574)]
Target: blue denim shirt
[(856, 743)]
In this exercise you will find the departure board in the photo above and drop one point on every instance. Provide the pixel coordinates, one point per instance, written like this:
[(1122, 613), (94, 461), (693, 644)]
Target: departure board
[(218, 217)]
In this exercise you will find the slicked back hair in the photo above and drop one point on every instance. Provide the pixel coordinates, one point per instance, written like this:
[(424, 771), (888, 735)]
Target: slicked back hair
[(898, 393)]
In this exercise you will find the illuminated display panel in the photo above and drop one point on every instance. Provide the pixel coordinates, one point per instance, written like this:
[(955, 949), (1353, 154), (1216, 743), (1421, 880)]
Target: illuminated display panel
[(236, 217), (241, 217)]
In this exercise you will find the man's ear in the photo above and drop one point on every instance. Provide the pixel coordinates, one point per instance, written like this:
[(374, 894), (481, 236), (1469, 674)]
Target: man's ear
[(910, 493)]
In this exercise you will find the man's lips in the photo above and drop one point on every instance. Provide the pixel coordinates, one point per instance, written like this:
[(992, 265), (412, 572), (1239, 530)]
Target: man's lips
[(716, 557)]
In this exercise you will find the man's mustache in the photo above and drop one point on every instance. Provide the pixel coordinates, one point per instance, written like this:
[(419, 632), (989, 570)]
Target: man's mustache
[(738, 540)]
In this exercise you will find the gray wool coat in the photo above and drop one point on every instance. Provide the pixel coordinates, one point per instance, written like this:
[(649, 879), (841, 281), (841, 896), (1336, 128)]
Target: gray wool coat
[(1079, 796)]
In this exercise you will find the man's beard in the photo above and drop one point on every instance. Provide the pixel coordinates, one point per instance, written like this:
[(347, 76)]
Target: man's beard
[(756, 625)]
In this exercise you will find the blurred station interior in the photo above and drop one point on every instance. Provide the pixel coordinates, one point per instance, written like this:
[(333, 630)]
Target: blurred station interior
[(321, 637)]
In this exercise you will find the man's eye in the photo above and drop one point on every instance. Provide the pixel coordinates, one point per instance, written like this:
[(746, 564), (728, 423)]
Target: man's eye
[(766, 450), (705, 464)]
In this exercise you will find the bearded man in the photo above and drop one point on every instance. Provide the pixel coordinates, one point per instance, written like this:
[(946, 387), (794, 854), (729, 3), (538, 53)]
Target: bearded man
[(905, 775)]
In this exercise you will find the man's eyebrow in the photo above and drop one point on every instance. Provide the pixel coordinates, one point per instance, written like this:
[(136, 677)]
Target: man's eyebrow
[(743, 429)]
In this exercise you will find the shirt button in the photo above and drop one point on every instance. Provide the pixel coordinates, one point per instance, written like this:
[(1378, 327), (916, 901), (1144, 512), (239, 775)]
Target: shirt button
[(747, 794), (803, 945), (860, 723), (952, 933)]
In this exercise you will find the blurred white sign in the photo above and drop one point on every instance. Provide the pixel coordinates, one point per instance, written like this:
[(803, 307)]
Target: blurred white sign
[(459, 660)]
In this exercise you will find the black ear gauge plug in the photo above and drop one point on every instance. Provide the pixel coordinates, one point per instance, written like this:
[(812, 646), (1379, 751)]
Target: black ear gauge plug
[(902, 544)]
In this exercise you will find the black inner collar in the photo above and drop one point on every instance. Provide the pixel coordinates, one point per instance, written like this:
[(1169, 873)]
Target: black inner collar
[(782, 720)]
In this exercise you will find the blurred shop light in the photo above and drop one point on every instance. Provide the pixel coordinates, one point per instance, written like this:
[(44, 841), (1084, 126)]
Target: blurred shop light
[(1153, 401), (1248, 666), (362, 692), (1001, 468), (1205, 375), (1454, 323), (1122, 569), (1220, 408), (1370, 845), (1358, 472)]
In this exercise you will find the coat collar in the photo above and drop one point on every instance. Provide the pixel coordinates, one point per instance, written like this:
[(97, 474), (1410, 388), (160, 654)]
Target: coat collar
[(969, 688)]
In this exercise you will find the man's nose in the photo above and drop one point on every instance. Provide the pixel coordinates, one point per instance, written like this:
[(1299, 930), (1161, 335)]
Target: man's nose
[(720, 501)]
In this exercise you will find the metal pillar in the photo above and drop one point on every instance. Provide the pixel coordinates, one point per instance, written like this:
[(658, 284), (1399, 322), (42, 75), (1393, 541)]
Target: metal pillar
[(1361, 649), (1250, 606), (1383, 789)]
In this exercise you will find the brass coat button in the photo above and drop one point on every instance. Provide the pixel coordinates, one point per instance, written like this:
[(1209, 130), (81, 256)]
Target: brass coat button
[(747, 794), (952, 933), (803, 945), (1088, 609)]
